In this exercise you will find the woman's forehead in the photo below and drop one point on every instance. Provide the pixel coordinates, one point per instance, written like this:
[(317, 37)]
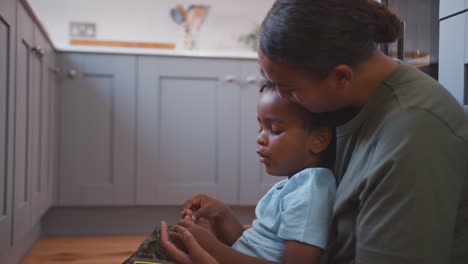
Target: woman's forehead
[(279, 73)]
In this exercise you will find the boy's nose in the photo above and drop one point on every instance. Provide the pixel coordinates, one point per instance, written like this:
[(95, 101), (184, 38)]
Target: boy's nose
[(261, 139), (282, 93)]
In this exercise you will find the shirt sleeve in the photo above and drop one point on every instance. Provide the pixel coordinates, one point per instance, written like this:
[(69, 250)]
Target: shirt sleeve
[(408, 205), (307, 210)]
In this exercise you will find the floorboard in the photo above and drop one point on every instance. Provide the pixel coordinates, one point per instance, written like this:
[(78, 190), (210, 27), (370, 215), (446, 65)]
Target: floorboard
[(83, 250)]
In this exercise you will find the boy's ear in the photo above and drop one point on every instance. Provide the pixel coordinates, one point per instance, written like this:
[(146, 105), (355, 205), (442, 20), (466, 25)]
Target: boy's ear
[(320, 139)]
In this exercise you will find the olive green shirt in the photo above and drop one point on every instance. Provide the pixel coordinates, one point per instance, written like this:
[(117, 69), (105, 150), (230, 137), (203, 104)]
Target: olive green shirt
[(402, 170)]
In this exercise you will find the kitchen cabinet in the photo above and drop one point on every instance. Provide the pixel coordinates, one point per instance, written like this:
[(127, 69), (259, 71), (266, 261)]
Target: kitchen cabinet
[(38, 122), (96, 131), (7, 95), (25, 194), (50, 130), (188, 129), (453, 57), (197, 130), (154, 130), (46, 125), (450, 7), (24, 151), (30, 185)]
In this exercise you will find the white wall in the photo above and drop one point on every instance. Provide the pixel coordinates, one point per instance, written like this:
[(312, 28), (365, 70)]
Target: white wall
[(149, 20)]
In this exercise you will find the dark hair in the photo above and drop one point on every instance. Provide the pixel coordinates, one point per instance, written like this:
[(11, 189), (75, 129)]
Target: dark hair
[(313, 121), (314, 36)]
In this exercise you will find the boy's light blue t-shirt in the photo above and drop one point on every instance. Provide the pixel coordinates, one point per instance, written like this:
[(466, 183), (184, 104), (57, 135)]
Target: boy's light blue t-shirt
[(298, 209)]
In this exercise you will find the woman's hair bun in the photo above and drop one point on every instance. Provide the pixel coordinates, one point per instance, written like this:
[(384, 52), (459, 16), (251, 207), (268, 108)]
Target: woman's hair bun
[(388, 27)]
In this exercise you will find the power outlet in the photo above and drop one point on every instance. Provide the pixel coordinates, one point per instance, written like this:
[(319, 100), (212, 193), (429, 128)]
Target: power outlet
[(80, 30)]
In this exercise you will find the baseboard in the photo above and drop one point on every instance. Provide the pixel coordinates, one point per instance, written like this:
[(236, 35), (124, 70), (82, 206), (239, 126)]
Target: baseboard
[(101, 221), (21, 248)]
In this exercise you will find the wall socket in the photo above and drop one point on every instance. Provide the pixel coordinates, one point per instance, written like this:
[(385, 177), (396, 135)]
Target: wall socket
[(82, 30)]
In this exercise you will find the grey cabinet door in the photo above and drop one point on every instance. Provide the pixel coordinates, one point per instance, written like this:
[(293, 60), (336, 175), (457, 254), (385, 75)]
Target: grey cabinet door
[(50, 168), (7, 96), (23, 118), (43, 189), (37, 122), (97, 124), (450, 7), (452, 55), (188, 129), (254, 181)]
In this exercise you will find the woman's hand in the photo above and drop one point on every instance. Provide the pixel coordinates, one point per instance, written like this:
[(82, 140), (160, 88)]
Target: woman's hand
[(195, 253)]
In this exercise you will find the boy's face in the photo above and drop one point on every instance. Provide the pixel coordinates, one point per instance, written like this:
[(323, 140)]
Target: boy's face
[(284, 145)]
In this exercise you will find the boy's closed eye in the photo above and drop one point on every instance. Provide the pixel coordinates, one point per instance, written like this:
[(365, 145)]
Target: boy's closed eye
[(276, 132), (273, 130), (286, 89)]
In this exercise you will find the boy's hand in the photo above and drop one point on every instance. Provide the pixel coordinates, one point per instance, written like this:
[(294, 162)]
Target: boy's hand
[(205, 238), (203, 206), (203, 222), (224, 223), (195, 255)]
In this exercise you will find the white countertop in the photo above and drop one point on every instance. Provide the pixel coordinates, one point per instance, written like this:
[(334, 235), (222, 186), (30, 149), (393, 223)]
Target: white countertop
[(233, 54)]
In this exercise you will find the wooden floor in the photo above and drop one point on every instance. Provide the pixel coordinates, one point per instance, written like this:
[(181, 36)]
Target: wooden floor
[(83, 250)]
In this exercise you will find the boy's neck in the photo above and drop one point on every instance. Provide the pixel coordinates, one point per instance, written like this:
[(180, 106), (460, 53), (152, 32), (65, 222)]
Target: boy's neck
[(289, 177), (313, 162)]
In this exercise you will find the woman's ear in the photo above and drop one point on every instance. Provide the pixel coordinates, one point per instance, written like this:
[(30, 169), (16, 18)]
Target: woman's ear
[(320, 139), (340, 77)]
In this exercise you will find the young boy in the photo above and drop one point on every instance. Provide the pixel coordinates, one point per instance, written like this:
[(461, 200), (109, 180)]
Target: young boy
[(292, 219)]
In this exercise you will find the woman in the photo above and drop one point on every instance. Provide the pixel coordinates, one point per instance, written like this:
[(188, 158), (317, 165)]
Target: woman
[(402, 144)]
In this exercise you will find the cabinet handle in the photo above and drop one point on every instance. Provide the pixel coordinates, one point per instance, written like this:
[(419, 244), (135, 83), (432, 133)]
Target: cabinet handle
[(251, 79), (230, 78), (55, 70), (72, 73), (38, 50)]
